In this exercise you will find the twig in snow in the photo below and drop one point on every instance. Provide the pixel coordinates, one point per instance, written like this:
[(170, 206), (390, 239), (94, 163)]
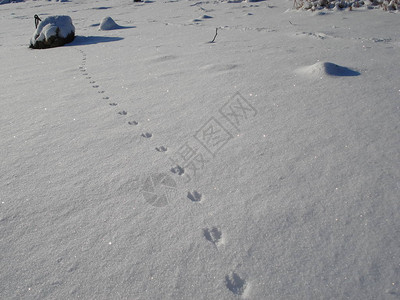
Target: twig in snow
[(37, 20), (216, 32)]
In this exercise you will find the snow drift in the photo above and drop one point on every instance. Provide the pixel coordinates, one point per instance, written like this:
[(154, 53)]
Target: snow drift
[(320, 69), (53, 32), (108, 24)]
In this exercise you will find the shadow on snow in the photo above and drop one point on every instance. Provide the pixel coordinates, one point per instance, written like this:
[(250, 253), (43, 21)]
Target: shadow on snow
[(91, 40)]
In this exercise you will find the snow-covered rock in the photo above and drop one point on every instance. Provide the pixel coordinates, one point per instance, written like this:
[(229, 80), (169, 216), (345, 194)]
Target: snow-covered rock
[(108, 24), (53, 32)]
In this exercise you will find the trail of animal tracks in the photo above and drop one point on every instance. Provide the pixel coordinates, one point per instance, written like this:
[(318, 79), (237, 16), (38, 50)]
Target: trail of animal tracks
[(146, 162)]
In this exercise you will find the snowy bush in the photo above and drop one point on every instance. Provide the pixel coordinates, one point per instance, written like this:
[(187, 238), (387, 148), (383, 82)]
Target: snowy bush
[(53, 32), (345, 4), (9, 1)]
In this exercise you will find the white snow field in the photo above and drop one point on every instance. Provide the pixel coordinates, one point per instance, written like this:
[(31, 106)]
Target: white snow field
[(145, 162)]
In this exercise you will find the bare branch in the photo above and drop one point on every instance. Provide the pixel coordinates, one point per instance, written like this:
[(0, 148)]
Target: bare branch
[(216, 32)]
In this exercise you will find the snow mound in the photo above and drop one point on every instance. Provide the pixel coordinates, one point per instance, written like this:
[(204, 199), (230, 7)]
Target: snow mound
[(53, 32), (321, 69), (108, 24)]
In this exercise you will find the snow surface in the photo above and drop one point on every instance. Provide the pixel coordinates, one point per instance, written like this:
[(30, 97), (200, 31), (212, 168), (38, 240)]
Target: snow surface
[(296, 195)]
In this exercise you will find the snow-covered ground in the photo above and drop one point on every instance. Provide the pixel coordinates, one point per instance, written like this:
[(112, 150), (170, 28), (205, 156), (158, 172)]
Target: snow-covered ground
[(147, 163)]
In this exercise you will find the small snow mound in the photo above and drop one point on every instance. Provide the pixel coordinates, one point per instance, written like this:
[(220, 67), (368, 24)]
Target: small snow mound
[(108, 24), (53, 32), (321, 69)]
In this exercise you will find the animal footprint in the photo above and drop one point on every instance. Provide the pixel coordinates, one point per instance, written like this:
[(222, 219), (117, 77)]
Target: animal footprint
[(161, 149), (147, 135), (95, 86), (235, 284), (101, 92), (106, 98), (133, 123), (123, 113), (113, 104), (84, 73), (213, 235), (92, 82), (178, 170), (88, 77), (195, 196)]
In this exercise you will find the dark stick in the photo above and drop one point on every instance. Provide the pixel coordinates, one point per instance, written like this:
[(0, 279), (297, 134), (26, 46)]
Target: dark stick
[(216, 32), (37, 20)]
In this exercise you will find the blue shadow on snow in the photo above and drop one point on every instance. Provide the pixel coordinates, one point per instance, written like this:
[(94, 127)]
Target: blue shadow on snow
[(336, 70), (91, 40)]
